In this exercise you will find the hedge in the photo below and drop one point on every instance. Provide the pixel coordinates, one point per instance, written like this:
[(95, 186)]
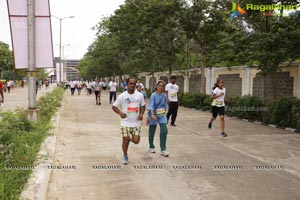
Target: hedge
[(284, 111)]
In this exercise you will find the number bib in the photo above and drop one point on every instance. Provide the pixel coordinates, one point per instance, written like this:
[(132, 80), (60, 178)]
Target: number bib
[(174, 95), (97, 88), (132, 112), (219, 103), (161, 112)]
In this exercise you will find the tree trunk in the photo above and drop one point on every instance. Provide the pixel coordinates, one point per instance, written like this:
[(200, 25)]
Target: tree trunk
[(264, 87), (274, 85), (202, 80)]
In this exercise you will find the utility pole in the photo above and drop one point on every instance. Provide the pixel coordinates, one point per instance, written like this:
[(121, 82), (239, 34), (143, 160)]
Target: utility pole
[(32, 113)]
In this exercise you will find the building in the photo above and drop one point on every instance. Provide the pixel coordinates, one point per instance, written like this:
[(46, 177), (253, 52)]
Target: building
[(70, 68)]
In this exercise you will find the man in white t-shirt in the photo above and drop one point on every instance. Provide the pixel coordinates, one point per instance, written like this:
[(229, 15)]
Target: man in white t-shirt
[(172, 90), (132, 108), (139, 83), (112, 90), (72, 86), (98, 89)]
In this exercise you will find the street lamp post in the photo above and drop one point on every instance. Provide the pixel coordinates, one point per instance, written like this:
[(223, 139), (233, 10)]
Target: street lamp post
[(63, 60), (60, 40)]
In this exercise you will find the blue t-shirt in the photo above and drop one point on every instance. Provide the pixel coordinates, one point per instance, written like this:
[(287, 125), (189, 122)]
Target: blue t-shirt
[(158, 103)]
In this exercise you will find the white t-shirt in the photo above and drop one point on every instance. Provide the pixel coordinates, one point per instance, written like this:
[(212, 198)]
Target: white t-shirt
[(89, 85), (9, 84), (219, 102), (141, 84), (72, 84), (113, 86), (98, 87), (172, 89), (130, 105)]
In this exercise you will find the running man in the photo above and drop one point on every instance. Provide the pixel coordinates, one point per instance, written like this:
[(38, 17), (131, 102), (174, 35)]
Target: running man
[(72, 86), (98, 88), (171, 91), (113, 90), (132, 110), (218, 106)]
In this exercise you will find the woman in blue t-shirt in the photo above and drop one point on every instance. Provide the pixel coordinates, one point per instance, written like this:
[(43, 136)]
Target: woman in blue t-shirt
[(157, 115)]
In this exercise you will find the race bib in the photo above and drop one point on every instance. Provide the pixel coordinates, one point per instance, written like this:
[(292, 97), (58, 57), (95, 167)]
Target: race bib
[(132, 110), (219, 103), (161, 112), (97, 88), (174, 95)]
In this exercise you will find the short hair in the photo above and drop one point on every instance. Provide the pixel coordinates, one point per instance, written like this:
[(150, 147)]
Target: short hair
[(127, 81), (173, 77)]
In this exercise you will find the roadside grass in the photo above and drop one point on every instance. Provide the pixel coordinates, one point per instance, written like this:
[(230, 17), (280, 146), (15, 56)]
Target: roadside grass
[(20, 142)]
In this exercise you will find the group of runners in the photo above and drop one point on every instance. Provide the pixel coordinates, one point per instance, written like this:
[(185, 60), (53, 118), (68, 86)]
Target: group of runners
[(130, 105)]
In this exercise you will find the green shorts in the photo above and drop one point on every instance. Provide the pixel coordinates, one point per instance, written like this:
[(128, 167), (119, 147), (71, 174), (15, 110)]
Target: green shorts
[(125, 131)]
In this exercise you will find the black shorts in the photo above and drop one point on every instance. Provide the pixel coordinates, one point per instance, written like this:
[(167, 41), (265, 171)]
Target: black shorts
[(97, 92), (217, 110)]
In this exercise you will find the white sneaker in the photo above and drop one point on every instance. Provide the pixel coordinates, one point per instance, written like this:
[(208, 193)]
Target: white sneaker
[(125, 160), (164, 153), (152, 150)]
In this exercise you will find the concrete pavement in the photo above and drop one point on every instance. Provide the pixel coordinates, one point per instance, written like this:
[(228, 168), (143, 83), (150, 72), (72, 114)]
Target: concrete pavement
[(18, 97), (254, 162)]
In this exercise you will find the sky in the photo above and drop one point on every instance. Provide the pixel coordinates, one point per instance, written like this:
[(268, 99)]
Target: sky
[(76, 31)]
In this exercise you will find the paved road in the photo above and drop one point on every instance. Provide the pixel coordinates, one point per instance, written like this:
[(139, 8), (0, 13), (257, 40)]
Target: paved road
[(89, 137), (18, 97)]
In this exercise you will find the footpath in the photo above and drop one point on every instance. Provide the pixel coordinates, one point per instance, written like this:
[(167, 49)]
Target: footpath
[(254, 162), (18, 97)]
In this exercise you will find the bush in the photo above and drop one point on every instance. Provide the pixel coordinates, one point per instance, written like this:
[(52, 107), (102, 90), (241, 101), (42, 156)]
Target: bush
[(195, 100), (284, 112), (20, 142), (251, 107)]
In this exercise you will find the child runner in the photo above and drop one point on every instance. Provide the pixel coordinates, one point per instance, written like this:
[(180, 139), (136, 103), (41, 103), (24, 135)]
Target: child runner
[(218, 105)]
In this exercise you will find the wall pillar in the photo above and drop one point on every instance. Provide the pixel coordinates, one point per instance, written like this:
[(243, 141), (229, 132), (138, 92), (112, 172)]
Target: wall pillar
[(210, 79), (186, 83), (246, 81)]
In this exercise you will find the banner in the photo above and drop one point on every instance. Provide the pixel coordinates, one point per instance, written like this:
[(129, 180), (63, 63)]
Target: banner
[(17, 10)]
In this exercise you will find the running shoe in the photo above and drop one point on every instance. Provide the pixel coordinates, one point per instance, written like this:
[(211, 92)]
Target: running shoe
[(125, 159), (164, 153), (152, 150), (173, 124), (223, 134), (209, 125)]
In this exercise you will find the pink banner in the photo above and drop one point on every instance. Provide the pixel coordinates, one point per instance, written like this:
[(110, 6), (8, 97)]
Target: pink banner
[(19, 7), (43, 34), (18, 26), (43, 39)]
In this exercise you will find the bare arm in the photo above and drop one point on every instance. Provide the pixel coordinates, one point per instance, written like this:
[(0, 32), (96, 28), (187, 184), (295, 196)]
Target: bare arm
[(168, 100), (117, 110), (142, 111)]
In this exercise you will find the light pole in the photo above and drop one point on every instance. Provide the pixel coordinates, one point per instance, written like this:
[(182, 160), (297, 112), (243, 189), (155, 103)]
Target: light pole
[(60, 46), (64, 70)]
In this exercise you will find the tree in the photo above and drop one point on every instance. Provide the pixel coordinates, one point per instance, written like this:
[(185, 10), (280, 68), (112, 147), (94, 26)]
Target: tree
[(6, 57), (269, 41)]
